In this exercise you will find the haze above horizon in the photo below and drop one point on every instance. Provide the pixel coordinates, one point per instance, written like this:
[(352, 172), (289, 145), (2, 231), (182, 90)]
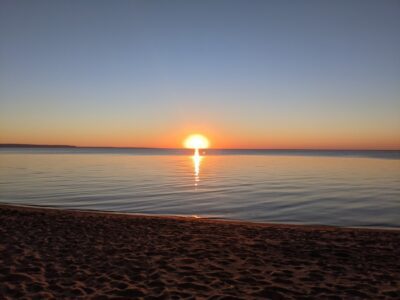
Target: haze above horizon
[(252, 75)]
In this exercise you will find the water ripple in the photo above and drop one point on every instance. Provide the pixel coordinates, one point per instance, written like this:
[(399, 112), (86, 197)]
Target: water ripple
[(345, 190)]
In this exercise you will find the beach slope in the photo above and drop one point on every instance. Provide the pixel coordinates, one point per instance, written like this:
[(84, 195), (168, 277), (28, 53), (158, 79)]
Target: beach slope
[(58, 254)]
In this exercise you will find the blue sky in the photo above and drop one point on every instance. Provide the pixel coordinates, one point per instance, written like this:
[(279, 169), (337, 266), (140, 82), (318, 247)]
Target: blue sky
[(262, 74)]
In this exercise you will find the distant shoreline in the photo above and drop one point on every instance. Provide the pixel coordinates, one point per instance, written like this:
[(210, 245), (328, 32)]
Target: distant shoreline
[(35, 146)]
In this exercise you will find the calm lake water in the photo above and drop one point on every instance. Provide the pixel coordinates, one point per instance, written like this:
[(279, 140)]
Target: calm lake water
[(345, 188)]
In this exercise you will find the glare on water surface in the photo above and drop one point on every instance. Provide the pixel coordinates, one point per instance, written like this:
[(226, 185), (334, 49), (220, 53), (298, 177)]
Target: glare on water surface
[(196, 142)]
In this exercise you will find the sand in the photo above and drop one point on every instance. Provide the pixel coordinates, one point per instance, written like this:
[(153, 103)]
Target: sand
[(65, 254)]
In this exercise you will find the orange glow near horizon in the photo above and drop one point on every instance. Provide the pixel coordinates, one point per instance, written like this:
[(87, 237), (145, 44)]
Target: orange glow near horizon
[(218, 136)]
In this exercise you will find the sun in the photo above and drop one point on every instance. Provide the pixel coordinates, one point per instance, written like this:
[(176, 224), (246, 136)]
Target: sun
[(196, 141)]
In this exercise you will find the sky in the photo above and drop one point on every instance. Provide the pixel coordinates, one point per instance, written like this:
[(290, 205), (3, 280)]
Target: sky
[(247, 74)]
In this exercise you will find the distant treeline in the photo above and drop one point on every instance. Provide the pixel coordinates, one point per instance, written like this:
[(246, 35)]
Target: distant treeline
[(34, 146)]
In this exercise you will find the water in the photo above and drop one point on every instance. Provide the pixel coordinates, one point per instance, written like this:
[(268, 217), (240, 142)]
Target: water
[(344, 188)]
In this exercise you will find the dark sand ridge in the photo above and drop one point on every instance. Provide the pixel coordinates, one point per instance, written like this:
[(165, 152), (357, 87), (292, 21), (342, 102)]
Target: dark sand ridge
[(48, 253)]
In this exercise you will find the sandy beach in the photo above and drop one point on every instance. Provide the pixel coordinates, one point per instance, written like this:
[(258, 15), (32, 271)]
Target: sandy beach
[(58, 254)]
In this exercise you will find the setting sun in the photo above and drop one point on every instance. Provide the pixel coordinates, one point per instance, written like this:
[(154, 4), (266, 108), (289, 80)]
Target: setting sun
[(196, 141)]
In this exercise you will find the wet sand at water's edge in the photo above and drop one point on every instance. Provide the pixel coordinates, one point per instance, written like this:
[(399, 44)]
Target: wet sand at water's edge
[(47, 253)]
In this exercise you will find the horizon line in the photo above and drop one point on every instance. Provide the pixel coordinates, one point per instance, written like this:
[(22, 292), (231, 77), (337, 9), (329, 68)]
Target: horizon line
[(18, 145)]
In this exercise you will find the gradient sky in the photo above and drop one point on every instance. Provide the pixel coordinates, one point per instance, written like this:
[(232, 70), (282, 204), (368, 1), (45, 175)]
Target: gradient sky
[(248, 74)]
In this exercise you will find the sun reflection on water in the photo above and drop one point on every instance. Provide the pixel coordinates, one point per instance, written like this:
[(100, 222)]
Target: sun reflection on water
[(196, 162)]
